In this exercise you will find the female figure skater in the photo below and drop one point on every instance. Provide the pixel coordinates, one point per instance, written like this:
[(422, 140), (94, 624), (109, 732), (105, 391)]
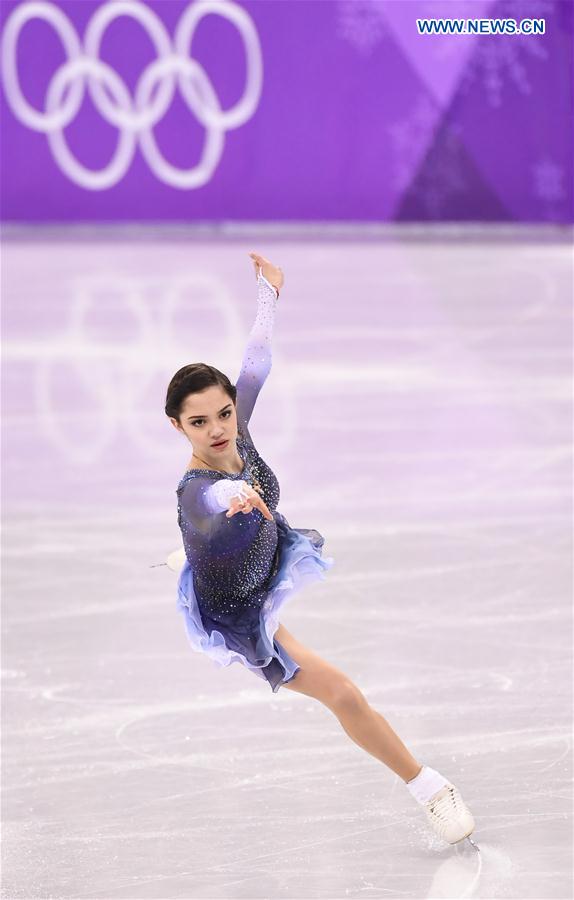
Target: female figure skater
[(242, 560)]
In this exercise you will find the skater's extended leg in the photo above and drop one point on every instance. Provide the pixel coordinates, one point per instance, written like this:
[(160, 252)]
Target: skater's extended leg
[(444, 806), (364, 725)]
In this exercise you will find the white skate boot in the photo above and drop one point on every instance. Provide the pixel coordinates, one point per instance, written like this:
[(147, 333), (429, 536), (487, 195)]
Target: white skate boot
[(449, 815)]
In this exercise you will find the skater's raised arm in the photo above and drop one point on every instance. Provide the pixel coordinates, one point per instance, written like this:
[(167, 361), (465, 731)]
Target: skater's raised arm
[(256, 363)]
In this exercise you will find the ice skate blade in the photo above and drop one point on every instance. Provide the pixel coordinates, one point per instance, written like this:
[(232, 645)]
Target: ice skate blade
[(465, 837), (470, 841)]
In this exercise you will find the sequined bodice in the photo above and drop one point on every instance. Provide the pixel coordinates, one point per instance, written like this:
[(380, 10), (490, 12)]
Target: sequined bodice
[(234, 560)]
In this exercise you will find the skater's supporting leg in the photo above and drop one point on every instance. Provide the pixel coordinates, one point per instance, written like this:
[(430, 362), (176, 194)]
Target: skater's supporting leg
[(364, 725), (371, 731)]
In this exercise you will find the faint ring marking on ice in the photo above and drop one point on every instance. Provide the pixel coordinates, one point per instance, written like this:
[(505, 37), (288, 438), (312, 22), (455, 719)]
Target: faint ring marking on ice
[(135, 118), (114, 370)]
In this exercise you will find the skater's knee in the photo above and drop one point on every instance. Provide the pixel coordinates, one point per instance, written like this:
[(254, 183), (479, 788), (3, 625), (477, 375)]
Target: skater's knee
[(327, 684), (332, 688), (346, 697)]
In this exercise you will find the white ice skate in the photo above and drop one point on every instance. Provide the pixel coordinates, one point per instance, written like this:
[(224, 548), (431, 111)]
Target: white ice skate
[(175, 561), (450, 816)]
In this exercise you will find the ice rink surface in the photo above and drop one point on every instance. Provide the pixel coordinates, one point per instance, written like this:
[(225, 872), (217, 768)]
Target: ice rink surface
[(418, 414)]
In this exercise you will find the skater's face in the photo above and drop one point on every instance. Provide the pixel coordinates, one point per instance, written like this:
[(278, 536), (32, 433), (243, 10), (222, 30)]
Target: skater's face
[(206, 418)]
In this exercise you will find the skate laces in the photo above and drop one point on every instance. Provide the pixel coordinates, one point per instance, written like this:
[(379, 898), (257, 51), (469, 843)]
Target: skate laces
[(449, 815), (446, 805)]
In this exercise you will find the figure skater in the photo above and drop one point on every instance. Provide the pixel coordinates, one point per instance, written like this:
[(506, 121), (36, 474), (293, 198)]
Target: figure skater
[(241, 560)]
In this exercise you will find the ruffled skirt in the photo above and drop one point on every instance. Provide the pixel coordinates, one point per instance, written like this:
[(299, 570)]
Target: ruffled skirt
[(299, 561)]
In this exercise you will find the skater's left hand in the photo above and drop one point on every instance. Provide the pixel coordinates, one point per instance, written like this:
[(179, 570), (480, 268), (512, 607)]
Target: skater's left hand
[(273, 274), (250, 499)]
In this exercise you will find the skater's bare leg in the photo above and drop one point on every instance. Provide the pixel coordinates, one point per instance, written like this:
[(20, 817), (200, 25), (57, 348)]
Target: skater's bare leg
[(364, 725)]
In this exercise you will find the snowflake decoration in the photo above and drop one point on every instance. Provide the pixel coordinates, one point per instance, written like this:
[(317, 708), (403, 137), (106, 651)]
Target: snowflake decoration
[(410, 137), (548, 181), (361, 22), (499, 58)]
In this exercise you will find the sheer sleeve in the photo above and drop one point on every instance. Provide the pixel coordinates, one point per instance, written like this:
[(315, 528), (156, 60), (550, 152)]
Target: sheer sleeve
[(203, 502), (256, 363), (196, 516)]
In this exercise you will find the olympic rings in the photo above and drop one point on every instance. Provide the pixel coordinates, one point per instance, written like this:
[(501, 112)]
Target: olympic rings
[(134, 117), (123, 156)]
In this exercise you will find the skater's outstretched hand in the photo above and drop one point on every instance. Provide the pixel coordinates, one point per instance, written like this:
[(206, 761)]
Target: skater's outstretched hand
[(273, 274), (246, 503)]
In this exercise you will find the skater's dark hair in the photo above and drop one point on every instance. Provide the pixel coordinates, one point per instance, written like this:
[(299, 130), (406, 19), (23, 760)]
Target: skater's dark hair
[(192, 379)]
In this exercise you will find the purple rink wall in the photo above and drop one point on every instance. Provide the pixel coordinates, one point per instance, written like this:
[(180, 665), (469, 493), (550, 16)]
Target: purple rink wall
[(210, 111)]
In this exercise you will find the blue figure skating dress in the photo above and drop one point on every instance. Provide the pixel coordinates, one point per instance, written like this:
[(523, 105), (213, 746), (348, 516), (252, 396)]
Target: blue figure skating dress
[(240, 571)]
